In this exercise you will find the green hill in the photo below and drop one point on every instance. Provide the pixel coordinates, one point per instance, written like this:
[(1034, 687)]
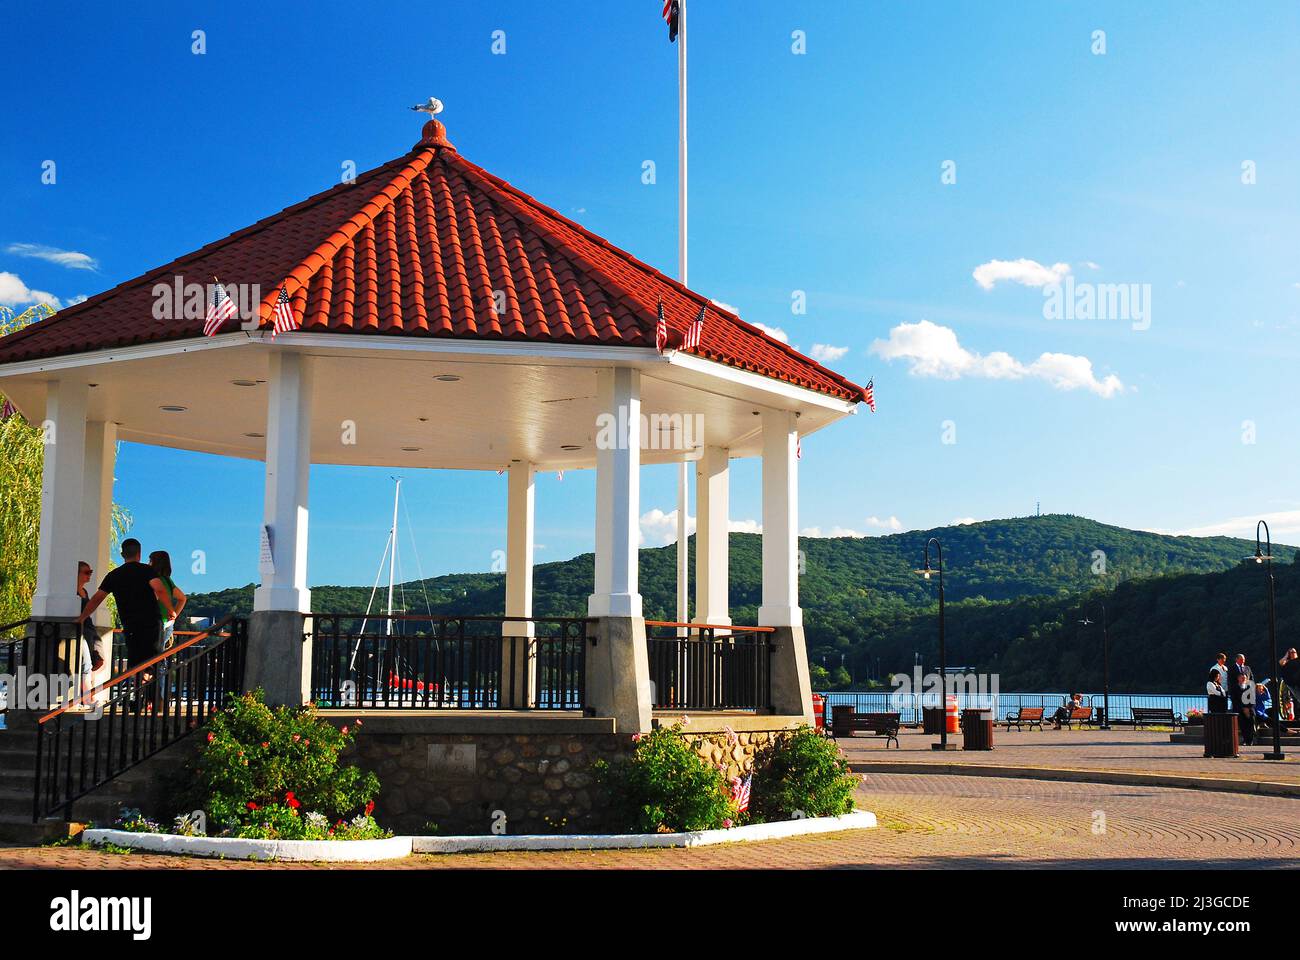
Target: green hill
[(1011, 587)]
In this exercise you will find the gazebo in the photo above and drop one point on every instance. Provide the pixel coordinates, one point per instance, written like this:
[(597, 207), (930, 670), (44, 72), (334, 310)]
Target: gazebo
[(446, 320)]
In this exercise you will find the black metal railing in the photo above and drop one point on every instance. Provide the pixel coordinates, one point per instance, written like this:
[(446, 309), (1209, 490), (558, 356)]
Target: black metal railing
[(120, 723), (908, 705), (35, 647), (709, 667), (407, 662)]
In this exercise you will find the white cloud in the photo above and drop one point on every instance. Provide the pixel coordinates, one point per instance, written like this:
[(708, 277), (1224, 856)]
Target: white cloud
[(1029, 273), (818, 533), (1090, 265), (775, 332), (1281, 524), (932, 350), (962, 521), (893, 524), (744, 526), (79, 298), (658, 529), (729, 308), (71, 259), (15, 293), (825, 353)]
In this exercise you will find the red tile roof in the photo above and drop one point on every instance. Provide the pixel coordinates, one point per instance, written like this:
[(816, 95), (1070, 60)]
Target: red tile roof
[(418, 248)]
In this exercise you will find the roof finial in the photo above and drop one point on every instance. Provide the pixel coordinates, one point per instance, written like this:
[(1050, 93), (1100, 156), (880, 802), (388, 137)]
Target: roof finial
[(434, 133)]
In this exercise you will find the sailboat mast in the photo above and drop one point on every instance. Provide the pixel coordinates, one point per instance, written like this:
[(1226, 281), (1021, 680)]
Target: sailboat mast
[(392, 556)]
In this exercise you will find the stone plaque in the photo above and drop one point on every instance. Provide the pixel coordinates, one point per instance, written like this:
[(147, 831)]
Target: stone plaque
[(453, 761)]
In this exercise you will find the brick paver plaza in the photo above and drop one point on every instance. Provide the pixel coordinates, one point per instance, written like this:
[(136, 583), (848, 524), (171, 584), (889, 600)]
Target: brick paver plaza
[(926, 821), (1119, 749)]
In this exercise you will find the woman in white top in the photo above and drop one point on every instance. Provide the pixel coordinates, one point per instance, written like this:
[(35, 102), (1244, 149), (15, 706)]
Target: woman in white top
[(1215, 694)]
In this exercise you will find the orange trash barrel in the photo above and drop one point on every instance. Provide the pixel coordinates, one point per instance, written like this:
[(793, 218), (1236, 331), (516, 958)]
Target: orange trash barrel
[(951, 704), (819, 711)]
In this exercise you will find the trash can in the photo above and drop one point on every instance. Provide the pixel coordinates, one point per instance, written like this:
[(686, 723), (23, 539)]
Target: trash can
[(819, 711), (841, 720), (1220, 734), (932, 720), (977, 729)]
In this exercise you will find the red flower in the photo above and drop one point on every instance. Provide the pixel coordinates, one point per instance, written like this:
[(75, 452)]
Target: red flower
[(251, 805), (297, 737), (265, 744), (211, 736), (370, 807), (345, 731), (292, 801), (357, 722)]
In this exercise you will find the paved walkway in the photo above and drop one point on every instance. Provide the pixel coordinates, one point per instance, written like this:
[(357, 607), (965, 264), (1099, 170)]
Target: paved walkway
[(926, 821), (1113, 750)]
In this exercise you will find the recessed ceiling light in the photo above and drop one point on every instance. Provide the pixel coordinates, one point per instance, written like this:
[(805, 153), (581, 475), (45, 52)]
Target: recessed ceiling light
[(172, 408), (411, 449), (570, 446), (255, 436), (244, 383), (447, 377)]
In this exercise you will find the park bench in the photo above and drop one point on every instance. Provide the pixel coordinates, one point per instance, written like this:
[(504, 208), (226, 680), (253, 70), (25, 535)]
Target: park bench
[(1156, 717), (1078, 715), (845, 722), (1033, 716)]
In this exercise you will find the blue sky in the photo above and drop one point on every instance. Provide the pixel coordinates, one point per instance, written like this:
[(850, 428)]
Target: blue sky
[(818, 172)]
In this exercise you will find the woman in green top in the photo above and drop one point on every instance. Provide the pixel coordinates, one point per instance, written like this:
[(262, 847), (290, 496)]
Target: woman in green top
[(161, 561)]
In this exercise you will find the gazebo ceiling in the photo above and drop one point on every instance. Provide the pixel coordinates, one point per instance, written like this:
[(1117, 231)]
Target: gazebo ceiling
[(380, 403), (426, 248)]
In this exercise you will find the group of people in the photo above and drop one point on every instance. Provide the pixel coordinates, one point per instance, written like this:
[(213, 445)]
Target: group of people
[(148, 604), (1232, 688)]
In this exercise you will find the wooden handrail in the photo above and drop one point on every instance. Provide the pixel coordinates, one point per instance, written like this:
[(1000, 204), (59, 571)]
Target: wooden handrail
[(140, 669), (734, 628)]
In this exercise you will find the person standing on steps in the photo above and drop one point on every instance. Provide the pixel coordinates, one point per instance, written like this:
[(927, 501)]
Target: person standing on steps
[(139, 593)]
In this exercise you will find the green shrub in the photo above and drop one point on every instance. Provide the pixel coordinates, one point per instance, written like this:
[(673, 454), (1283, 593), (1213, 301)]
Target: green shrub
[(270, 770), (665, 787), (802, 771)]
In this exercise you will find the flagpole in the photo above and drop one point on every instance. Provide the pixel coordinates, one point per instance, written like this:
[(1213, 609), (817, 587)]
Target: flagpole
[(683, 476)]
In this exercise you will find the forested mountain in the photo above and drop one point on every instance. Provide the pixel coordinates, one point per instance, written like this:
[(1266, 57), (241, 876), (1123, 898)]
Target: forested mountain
[(1013, 587)]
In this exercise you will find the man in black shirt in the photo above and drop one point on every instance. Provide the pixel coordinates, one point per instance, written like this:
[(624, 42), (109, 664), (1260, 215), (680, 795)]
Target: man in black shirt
[(138, 592)]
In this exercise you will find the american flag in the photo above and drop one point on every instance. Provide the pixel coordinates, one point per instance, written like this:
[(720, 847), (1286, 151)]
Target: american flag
[(692, 339), (671, 13), (740, 792), (661, 330), (869, 395), (283, 313), (222, 309), (798, 449), (7, 410)]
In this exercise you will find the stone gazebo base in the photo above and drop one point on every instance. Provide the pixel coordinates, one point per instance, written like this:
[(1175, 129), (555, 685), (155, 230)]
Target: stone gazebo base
[(528, 772)]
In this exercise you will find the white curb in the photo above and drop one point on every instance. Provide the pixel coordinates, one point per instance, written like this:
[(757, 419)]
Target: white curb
[(858, 820), (237, 848), (393, 848)]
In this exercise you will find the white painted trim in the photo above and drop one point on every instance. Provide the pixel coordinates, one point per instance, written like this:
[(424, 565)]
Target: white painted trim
[(326, 344), (362, 851), (143, 351), (237, 848), (857, 820), (746, 378)]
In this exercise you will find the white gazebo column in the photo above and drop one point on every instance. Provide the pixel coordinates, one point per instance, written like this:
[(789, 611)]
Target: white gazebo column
[(61, 501), (618, 671), (791, 690), (278, 660), (97, 527), (518, 660), (712, 519)]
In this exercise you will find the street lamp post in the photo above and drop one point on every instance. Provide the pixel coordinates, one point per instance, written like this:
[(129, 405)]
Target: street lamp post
[(1264, 555), (1105, 665), (926, 572)]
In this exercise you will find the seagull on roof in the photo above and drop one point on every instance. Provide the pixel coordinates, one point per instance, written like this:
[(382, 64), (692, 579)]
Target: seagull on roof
[(433, 106)]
